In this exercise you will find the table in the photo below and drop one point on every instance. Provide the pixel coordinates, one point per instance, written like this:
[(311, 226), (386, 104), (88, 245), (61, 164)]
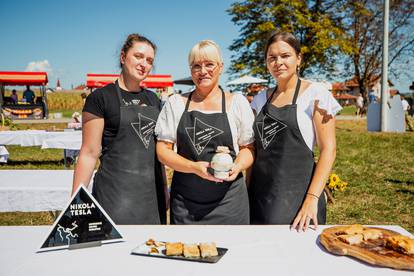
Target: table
[(253, 250), (67, 140), (35, 190), (45, 139)]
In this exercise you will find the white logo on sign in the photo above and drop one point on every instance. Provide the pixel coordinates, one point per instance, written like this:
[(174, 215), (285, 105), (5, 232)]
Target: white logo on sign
[(201, 134), (144, 129), (268, 128), (67, 232)]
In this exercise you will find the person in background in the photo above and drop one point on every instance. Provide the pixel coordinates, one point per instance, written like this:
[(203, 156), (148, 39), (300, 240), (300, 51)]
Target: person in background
[(28, 95), (371, 97), (406, 108), (359, 105), (286, 185), (83, 96), (197, 123), (164, 96), (118, 127), (14, 98), (250, 96)]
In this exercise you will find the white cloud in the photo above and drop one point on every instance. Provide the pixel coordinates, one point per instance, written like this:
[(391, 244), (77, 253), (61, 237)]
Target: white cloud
[(39, 66)]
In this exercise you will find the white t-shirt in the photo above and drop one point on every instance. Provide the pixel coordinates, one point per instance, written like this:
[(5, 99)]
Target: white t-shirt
[(305, 107), (405, 104), (360, 101), (240, 116)]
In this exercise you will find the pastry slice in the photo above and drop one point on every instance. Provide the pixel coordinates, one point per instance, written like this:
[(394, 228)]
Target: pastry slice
[(191, 251), (353, 229), (401, 244), (158, 244), (150, 242), (208, 249), (371, 234), (173, 248), (351, 239)]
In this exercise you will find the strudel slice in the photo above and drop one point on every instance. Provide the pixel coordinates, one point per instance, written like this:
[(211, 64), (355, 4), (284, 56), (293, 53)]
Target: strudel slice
[(173, 248), (351, 239), (401, 243), (208, 249), (353, 229), (191, 251), (371, 234)]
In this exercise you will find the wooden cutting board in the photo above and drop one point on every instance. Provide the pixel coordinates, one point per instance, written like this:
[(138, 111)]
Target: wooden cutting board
[(372, 251)]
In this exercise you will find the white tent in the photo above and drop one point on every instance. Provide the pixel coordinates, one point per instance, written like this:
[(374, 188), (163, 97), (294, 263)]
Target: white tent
[(246, 80)]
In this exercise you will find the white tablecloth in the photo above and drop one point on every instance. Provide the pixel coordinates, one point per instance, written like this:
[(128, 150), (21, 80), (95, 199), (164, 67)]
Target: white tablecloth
[(252, 251), (35, 190), (66, 140), (46, 139)]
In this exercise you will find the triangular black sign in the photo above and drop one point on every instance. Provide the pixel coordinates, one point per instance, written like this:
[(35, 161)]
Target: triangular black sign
[(201, 134), (145, 129), (82, 222), (268, 128)]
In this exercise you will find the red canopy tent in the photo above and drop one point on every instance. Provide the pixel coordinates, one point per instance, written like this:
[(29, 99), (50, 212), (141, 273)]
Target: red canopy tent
[(36, 111), (152, 81), (23, 78)]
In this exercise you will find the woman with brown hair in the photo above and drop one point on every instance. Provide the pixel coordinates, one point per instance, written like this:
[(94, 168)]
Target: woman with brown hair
[(286, 185), (118, 126)]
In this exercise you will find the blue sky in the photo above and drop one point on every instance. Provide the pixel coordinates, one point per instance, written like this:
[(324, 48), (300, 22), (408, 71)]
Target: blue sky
[(79, 37), (72, 38)]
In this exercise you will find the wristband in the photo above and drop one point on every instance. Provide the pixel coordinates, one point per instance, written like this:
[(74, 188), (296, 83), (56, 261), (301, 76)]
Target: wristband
[(313, 195)]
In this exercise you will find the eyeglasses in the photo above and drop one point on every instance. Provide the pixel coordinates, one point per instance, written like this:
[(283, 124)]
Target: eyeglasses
[(196, 68)]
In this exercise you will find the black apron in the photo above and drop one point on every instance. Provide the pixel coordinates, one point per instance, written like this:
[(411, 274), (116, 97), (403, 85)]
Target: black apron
[(128, 183), (195, 200), (283, 168)]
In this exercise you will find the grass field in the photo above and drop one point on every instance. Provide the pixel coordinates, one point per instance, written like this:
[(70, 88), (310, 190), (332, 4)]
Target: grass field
[(348, 110), (379, 169)]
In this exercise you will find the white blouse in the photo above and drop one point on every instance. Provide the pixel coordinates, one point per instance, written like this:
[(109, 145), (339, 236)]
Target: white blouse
[(240, 116), (316, 92)]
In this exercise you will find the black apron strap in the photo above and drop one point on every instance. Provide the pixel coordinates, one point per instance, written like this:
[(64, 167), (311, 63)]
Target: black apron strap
[(271, 95), (118, 93), (187, 104), (223, 101), (295, 97)]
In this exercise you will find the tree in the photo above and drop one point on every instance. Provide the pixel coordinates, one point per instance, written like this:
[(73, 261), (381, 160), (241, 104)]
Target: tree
[(314, 23), (363, 23)]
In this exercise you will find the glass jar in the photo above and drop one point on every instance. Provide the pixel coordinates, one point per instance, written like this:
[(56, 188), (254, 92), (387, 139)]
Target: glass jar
[(221, 162)]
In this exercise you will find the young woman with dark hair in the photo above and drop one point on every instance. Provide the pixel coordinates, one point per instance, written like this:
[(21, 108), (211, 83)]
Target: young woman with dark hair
[(286, 185), (118, 126)]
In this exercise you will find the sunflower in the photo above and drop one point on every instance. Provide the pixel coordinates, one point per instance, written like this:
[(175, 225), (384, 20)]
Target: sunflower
[(334, 178), (331, 185), (342, 186)]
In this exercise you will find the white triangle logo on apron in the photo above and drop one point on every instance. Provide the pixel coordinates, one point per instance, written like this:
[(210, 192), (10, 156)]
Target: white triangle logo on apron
[(201, 134), (144, 129), (268, 128)]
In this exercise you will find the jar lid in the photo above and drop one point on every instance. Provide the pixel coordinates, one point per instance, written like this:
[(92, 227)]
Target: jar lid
[(223, 149)]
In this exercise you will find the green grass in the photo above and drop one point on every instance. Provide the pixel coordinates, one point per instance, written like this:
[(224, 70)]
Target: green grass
[(379, 169), (26, 218), (348, 110), (33, 158)]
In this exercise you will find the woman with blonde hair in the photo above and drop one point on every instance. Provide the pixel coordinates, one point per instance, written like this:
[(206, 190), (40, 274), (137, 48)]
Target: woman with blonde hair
[(197, 123)]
